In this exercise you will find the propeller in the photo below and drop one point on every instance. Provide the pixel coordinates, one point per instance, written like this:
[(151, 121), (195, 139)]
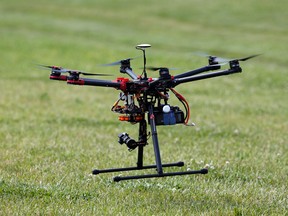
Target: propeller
[(220, 60), (53, 67), (223, 60), (156, 68), (246, 58), (163, 71), (120, 62), (58, 69), (159, 68), (215, 59)]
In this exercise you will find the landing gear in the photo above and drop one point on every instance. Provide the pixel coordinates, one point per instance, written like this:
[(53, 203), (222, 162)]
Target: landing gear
[(142, 142)]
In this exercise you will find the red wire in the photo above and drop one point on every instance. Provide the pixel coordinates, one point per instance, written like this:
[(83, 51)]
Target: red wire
[(182, 99)]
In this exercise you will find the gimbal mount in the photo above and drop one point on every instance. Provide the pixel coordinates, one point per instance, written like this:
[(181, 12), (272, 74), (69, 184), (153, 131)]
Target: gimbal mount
[(147, 98)]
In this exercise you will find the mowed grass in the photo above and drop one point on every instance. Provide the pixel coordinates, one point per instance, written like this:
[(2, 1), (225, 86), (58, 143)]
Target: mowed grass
[(53, 135)]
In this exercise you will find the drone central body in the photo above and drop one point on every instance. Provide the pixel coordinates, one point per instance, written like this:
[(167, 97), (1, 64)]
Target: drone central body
[(142, 97)]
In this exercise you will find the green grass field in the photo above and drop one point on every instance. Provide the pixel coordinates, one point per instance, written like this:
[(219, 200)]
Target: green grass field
[(52, 135)]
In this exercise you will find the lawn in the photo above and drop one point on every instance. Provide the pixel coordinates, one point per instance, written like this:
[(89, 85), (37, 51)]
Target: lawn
[(52, 135)]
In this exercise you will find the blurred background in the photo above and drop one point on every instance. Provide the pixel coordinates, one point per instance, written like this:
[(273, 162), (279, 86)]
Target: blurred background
[(48, 128)]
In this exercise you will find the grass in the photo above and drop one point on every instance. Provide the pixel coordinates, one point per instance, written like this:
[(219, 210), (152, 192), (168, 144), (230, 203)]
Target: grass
[(53, 135)]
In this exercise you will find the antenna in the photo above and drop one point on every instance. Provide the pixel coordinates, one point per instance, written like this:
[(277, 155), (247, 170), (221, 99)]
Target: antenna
[(143, 47)]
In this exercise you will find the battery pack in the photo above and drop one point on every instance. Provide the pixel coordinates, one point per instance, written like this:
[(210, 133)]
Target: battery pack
[(174, 116)]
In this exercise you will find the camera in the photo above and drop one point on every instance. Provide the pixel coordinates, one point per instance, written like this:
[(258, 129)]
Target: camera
[(124, 138)]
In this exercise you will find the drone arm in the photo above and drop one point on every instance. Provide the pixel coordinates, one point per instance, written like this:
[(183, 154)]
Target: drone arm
[(178, 81), (95, 82), (186, 76), (129, 71), (198, 71)]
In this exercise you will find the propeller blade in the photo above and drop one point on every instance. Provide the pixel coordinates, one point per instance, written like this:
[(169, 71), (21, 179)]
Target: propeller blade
[(159, 68), (155, 68), (198, 53), (64, 70), (51, 67), (82, 72), (94, 74), (224, 60), (119, 62), (220, 60), (248, 57)]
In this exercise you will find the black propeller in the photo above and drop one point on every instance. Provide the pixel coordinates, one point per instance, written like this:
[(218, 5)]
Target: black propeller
[(58, 69), (223, 60), (120, 62), (219, 60), (151, 68), (245, 58), (156, 68), (163, 71), (53, 67)]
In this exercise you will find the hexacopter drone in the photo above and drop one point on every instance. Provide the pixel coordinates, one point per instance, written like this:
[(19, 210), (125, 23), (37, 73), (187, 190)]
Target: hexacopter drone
[(147, 98)]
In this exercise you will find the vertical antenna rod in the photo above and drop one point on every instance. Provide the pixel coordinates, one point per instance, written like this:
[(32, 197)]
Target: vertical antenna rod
[(143, 47)]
